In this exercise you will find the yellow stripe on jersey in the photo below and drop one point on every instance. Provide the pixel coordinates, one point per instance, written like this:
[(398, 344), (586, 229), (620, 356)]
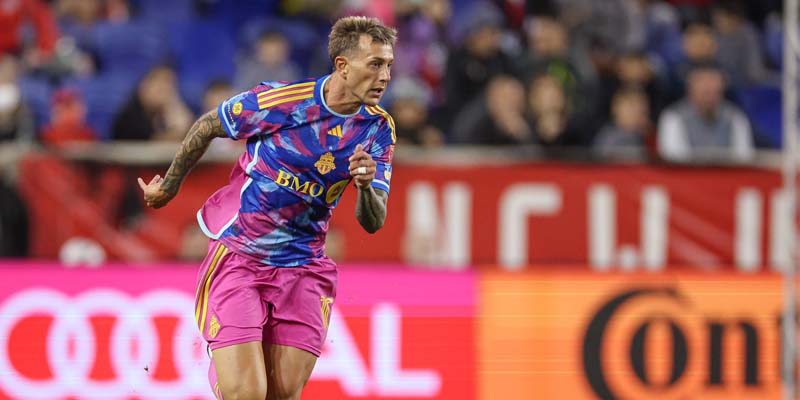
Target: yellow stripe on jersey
[(265, 96), (287, 87), (390, 120), (262, 106)]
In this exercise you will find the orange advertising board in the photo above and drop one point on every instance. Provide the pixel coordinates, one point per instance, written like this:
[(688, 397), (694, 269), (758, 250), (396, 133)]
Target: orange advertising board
[(621, 336)]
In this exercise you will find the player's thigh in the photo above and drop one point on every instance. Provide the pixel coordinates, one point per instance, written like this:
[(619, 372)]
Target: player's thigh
[(288, 369), (241, 371)]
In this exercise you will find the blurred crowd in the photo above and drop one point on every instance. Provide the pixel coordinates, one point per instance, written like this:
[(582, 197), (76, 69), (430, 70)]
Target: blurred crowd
[(676, 80)]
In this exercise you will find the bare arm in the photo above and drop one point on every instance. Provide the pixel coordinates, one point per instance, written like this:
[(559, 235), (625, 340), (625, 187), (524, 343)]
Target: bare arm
[(371, 208), (371, 202), (160, 191)]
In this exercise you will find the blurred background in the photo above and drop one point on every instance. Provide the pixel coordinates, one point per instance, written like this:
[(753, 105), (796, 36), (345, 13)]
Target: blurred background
[(587, 199)]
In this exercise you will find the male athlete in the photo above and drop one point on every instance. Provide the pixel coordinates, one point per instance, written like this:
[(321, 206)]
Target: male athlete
[(265, 290)]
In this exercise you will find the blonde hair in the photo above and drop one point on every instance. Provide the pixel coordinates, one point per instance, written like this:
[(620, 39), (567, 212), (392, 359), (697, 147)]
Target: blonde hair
[(347, 31)]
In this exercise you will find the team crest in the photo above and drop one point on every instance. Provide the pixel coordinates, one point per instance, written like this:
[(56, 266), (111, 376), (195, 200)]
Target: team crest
[(213, 327), (387, 174), (326, 309), (325, 163), (237, 108)]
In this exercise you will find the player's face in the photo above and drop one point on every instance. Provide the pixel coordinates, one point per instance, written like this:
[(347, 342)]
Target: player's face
[(370, 70)]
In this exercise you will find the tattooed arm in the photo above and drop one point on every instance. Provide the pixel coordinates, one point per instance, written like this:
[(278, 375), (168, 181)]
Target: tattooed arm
[(160, 191), (371, 202), (371, 208)]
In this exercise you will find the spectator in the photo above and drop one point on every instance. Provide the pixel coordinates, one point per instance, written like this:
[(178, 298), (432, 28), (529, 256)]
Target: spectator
[(218, 91), (625, 134), (637, 70), (409, 107), (699, 47), (155, 111), (13, 15), (16, 121), (548, 51), (68, 120), (477, 61), (550, 114), (269, 61), (14, 223), (423, 50), (739, 52), (497, 117), (704, 126)]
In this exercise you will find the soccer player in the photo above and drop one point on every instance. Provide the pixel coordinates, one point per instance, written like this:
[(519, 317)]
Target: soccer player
[(265, 289)]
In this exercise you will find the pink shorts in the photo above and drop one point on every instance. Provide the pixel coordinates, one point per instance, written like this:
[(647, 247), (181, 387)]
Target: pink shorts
[(240, 300)]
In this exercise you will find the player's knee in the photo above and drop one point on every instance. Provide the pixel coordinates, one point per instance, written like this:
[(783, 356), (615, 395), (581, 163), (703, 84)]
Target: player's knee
[(245, 389), (286, 387)]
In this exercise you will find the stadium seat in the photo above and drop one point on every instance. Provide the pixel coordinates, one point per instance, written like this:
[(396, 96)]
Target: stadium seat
[(105, 95), (165, 12), (128, 48), (203, 51), (762, 104), (36, 94)]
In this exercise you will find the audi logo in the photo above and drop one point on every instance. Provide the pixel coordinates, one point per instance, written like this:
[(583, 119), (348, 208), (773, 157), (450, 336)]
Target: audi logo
[(101, 344)]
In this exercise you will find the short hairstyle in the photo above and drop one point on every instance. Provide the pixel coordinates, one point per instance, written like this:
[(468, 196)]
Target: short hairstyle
[(347, 31)]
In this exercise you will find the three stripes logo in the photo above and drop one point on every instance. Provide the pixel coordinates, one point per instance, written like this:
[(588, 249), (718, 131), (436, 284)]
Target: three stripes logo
[(335, 131), (284, 94)]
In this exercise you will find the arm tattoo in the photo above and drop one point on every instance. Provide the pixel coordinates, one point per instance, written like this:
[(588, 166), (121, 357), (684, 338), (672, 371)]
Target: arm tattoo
[(371, 208), (193, 147)]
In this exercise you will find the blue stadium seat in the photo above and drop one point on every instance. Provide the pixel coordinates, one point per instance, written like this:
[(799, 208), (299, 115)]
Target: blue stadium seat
[(203, 51), (165, 12), (105, 95), (129, 48), (773, 46), (36, 94), (762, 104)]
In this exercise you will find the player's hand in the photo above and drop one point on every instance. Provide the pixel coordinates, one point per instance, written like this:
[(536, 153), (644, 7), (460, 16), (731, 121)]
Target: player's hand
[(154, 195), (362, 167)]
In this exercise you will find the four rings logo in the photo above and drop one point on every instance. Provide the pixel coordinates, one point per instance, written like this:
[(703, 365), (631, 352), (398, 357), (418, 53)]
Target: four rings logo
[(100, 344)]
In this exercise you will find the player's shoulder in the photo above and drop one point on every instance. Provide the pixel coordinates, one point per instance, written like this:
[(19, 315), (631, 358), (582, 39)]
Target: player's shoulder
[(273, 93), (379, 114)]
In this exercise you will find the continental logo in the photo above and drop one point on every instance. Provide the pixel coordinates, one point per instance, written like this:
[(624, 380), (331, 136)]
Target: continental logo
[(313, 189), (719, 352), (325, 163)]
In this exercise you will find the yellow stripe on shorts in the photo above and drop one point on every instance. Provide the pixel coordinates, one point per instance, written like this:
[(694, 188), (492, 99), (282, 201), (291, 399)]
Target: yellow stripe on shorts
[(202, 290)]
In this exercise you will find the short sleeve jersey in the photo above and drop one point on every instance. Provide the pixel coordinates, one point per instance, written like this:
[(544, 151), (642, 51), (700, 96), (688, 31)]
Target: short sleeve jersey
[(283, 189)]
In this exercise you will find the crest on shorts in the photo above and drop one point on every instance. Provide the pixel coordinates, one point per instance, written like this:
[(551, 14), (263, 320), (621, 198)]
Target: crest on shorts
[(326, 309), (325, 163), (213, 327)]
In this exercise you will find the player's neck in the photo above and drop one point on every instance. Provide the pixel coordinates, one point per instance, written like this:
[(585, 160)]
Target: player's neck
[(338, 98)]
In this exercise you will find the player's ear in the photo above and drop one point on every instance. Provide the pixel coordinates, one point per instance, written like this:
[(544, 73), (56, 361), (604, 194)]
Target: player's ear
[(341, 65)]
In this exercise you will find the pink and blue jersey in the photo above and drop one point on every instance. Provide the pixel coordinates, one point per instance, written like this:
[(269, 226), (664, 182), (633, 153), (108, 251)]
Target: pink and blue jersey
[(283, 189)]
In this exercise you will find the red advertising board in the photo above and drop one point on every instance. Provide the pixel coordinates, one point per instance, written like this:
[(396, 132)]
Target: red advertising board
[(607, 216), (128, 333)]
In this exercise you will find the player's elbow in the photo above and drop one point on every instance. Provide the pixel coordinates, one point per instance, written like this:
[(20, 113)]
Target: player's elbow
[(373, 229), (372, 226)]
